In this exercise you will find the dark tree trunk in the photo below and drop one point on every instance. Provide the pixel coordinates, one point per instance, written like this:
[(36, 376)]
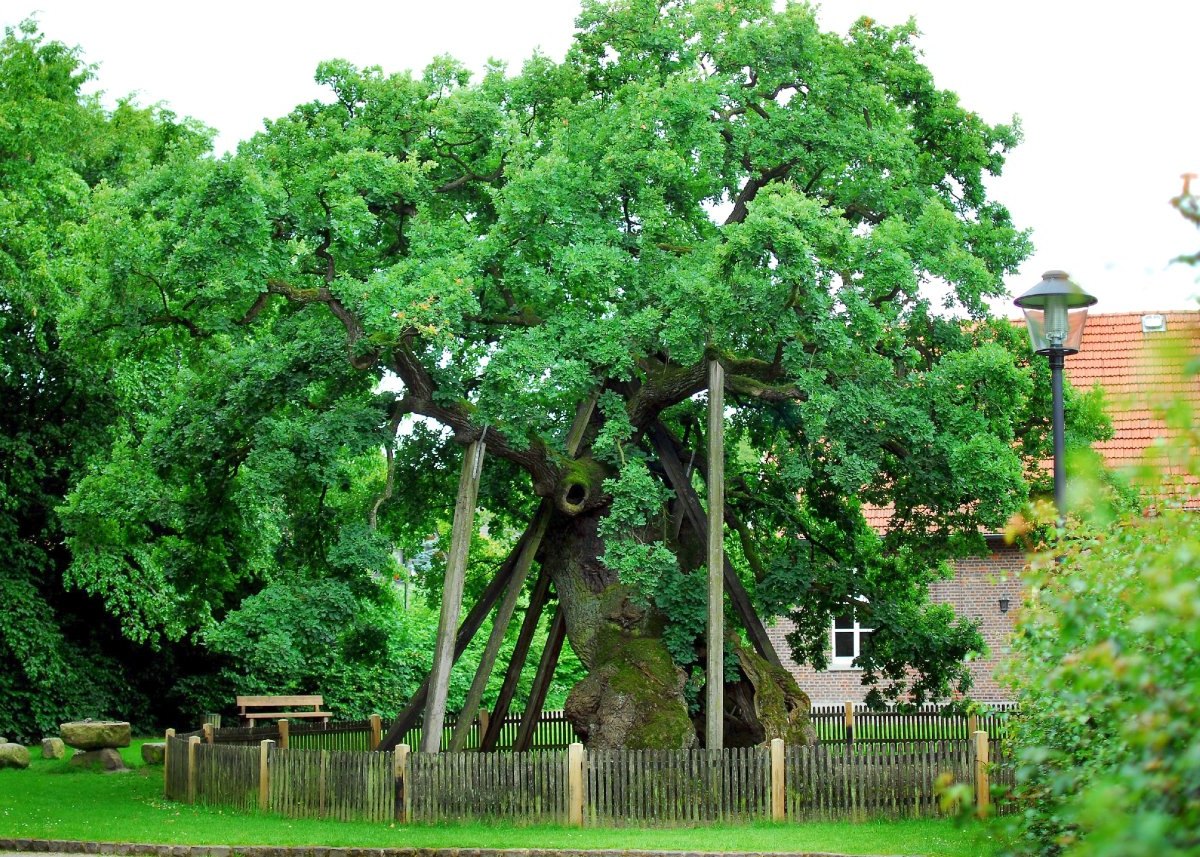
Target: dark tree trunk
[(633, 693)]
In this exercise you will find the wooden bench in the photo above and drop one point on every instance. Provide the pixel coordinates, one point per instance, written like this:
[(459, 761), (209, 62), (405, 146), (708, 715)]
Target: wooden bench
[(249, 708)]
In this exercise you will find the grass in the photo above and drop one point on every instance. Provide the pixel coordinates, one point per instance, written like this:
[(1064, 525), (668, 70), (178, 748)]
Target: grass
[(52, 801)]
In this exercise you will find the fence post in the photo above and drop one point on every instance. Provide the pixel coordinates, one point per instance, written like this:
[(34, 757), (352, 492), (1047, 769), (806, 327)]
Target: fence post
[(575, 785), (264, 773), (403, 798), (207, 728), (283, 733), (170, 733), (376, 732), (193, 744), (972, 723), (849, 724), (777, 781), (983, 792)]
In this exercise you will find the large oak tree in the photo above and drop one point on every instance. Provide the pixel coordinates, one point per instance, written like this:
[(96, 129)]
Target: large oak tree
[(695, 181)]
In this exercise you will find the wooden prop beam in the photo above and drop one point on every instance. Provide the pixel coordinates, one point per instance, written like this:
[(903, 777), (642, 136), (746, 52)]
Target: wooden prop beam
[(541, 682), (504, 614), (714, 682), (466, 633), (452, 592), (533, 614), (686, 495), (583, 415)]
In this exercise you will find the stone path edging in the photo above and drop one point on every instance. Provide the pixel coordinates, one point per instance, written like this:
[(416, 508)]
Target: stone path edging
[(134, 849)]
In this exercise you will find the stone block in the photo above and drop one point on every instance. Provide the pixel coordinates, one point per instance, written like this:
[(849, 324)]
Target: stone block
[(53, 748), (153, 752), (13, 756), (95, 734), (107, 759)]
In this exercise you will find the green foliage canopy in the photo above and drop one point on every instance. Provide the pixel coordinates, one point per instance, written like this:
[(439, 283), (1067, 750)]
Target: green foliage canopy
[(498, 250)]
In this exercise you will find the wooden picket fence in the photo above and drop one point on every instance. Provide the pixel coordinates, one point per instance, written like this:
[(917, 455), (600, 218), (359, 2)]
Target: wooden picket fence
[(667, 787), (898, 779), (613, 787), (854, 723), (526, 787)]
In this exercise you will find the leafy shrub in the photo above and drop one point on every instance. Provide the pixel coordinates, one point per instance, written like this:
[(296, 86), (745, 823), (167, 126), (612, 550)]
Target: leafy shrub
[(1106, 674)]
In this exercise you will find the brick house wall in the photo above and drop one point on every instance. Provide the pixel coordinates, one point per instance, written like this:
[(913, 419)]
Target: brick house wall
[(974, 592)]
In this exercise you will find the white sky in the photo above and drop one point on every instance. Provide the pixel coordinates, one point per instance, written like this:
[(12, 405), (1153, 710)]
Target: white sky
[(1107, 100)]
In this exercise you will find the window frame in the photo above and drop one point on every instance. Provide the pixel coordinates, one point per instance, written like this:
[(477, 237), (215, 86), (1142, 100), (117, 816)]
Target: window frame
[(857, 632)]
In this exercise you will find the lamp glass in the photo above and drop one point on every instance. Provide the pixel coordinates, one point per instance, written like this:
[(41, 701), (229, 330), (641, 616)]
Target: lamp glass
[(1057, 328)]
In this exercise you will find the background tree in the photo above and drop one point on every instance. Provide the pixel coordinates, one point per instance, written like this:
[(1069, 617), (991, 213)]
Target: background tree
[(696, 180), (63, 656)]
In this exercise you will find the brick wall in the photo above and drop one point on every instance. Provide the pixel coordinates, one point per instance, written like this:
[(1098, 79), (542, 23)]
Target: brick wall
[(974, 592)]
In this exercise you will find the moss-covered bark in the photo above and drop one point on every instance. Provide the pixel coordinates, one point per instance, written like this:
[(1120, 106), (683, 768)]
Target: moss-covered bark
[(633, 694)]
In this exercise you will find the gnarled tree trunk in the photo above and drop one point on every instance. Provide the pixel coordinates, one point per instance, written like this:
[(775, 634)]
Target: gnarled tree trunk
[(633, 695)]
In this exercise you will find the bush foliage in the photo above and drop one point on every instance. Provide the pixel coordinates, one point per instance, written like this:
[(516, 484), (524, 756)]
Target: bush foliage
[(1106, 669)]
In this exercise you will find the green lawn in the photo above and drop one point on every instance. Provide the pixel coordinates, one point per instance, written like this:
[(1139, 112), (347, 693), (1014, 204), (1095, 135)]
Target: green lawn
[(52, 801)]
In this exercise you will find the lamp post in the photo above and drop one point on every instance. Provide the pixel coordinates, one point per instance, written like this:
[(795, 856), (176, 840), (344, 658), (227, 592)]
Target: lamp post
[(1055, 312)]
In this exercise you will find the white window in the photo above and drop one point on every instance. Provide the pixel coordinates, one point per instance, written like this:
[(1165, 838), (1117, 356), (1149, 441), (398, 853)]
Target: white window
[(847, 639)]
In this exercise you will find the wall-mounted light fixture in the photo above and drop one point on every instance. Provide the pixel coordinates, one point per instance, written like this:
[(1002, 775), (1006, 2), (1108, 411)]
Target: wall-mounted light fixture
[(1004, 604)]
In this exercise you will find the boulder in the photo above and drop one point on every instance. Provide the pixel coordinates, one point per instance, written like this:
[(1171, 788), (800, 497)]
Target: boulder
[(95, 734), (53, 748), (107, 759), (13, 756), (153, 752)]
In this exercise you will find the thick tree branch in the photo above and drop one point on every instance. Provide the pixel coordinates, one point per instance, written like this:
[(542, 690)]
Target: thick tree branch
[(322, 294), (741, 205), (469, 176), (260, 303), (399, 408), (665, 385), (534, 458)]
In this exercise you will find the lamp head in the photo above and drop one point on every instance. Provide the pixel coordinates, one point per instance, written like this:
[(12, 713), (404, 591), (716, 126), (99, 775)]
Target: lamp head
[(1055, 312)]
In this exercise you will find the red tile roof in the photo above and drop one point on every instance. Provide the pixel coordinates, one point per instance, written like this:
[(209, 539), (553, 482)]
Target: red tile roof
[(1137, 371)]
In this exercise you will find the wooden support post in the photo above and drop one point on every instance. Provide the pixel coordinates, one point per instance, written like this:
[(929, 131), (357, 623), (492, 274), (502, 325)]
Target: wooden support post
[(849, 724), (193, 748), (575, 762), (714, 674), (403, 793), (504, 614), (983, 789), (283, 733), (541, 681), (778, 792), (264, 773), (664, 444), (484, 720), (512, 677), (376, 732), (972, 723), (499, 626), (167, 736), (452, 592), (207, 729), (466, 632)]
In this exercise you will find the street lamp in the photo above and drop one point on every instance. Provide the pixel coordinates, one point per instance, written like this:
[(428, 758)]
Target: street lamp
[(1055, 311)]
